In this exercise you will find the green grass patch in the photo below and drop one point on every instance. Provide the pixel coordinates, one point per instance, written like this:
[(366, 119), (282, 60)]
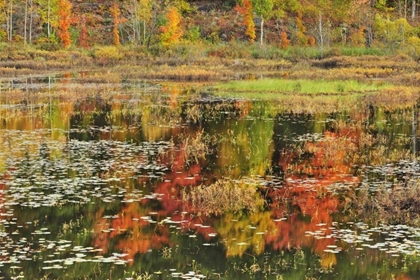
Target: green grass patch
[(273, 87), (361, 51)]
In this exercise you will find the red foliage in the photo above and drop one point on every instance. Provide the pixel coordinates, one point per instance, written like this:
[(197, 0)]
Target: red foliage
[(83, 38)]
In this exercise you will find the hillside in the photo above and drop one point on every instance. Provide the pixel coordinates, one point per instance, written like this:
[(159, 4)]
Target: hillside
[(156, 26)]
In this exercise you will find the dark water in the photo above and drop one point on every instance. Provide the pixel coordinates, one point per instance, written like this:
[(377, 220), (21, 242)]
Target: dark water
[(94, 184)]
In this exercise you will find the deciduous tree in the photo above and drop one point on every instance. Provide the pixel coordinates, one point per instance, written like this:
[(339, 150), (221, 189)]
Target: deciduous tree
[(245, 9), (262, 8), (117, 20), (48, 10), (64, 22), (171, 31), (83, 37), (140, 15)]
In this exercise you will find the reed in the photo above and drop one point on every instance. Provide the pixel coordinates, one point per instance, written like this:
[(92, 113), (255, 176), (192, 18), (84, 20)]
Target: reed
[(223, 196), (399, 205)]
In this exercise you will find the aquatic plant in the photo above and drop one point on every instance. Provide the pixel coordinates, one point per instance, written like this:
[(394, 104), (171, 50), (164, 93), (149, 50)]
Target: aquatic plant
[(222, 196), (384, 205)]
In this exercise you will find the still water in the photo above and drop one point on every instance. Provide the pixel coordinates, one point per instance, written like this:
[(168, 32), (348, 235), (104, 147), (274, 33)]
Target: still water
[(138, 181)]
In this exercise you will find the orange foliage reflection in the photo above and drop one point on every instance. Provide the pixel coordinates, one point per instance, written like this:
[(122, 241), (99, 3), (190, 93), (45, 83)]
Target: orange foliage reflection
[(132, 230), (306, 191)]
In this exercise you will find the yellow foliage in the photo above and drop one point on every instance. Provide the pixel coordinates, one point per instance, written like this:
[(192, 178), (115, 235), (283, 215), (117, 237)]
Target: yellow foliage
[(357, 38), (172, 31), (413, 46), (328, 260), (243, 232), (107, 54)]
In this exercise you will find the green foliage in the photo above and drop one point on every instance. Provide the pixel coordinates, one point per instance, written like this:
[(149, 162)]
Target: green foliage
[(3, 35), (194, 34), (262, 7), (360, 51), (392, 34), (300, 86)]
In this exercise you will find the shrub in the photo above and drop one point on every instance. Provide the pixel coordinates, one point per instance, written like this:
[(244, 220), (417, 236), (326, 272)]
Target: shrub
[(399, 205), (223, 196), (107, 55)]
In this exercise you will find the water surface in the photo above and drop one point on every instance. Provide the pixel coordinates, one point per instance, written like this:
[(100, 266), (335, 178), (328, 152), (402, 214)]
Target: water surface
[(94, 184)]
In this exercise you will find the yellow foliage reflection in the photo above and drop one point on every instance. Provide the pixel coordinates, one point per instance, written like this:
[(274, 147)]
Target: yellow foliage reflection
[(241, 232)]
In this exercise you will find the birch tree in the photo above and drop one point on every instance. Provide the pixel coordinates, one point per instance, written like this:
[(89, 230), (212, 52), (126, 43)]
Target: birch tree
[(262, 9)]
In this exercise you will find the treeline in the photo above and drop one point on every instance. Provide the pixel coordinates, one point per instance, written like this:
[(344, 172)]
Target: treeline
[(391, 26)]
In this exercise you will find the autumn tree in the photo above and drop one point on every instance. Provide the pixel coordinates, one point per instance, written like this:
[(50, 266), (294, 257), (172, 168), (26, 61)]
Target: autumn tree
[(392, 34), (64, 22), (28, 21), (300, 30), (245, 9), (48, 10), (171, 31), (2, 18), (117, 20), (8, 8), (262, 8), (83, 37), (140, 13), (284, 41)]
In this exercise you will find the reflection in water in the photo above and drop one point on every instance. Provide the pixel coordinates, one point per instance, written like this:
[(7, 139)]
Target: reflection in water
[(93, 187)]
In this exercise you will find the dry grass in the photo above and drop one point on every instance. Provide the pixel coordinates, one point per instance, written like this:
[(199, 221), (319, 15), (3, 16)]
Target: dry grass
[(396, 97), (399, 205), (223, 196), (197, 146)]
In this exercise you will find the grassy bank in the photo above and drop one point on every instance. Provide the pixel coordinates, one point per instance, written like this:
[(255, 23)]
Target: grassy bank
[(300, 86)]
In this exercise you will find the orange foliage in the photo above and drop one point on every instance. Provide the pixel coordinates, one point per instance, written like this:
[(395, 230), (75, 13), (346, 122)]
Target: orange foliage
[(64, 22), (306, 189), (246, 10), (314, 211), (311, 41), (131, 232), (171, 32), (117, 20), (300, 30), (244, 107), (284, 41), (358, 38)]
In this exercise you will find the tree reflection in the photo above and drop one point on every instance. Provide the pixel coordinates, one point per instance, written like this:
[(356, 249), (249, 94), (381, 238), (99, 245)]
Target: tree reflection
[(305, 203)]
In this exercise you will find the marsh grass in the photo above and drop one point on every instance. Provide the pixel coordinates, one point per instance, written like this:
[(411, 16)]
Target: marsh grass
[(223, 196), (399, 205), (395, 97), (301, 86), (197, 146)]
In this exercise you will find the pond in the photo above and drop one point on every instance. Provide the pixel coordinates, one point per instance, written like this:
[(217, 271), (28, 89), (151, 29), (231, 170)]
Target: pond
[(134, 180)]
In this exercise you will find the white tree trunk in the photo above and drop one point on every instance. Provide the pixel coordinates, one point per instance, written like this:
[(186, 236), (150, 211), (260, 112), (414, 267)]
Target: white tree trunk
[(321, 35), (262, 31), (48, 20), (11, 21), (26, 23), (30, 21)]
